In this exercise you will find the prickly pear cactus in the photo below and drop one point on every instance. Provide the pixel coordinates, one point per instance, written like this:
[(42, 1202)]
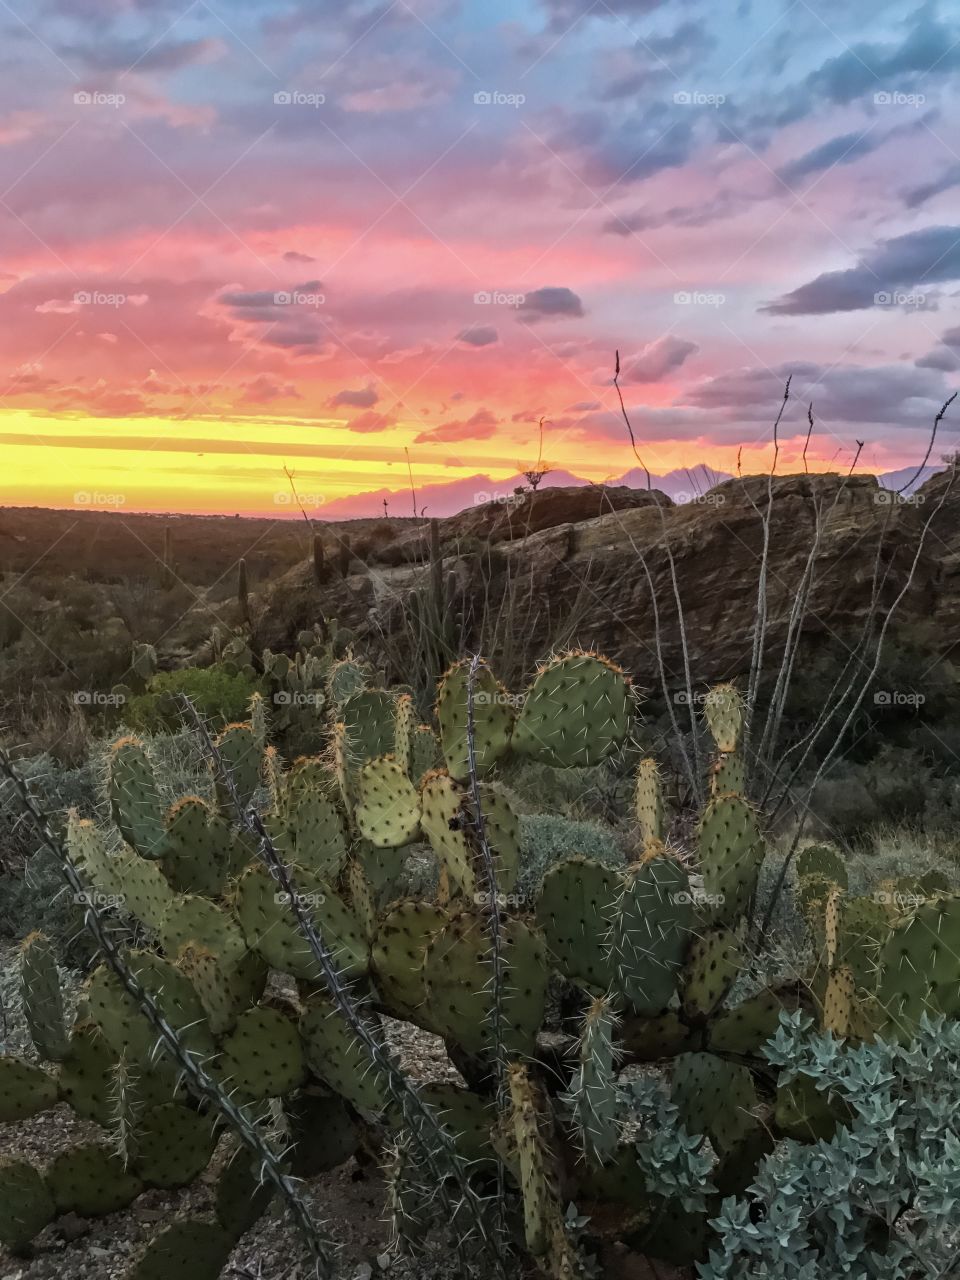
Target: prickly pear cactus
[(577, 712), (42, 1002)]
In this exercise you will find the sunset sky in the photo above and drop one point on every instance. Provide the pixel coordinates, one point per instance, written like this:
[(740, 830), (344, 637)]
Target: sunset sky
[(248, 236)]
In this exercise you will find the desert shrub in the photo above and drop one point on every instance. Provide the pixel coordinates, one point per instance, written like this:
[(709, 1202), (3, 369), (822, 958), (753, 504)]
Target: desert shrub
[(878, 1201), (32, 891), (546, 838), (218, 694)]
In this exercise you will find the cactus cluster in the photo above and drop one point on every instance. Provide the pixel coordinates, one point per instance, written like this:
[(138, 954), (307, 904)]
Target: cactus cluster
[(651, 960)]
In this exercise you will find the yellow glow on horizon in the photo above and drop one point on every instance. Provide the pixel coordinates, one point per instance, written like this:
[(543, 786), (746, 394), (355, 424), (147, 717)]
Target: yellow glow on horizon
[(207, 465)]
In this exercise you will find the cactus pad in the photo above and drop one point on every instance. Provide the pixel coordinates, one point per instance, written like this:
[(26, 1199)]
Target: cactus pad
[(492, 718), (824, 861), (593, 1099), (269, 925), (458, 970), (398, 954), (502, 829), (648, 802), (577, 712), (713, 963), (189, 918), (723, 711), (317, 834), (90, 1180), (443, 825), (262, 1057), (748, 1025), (225, 990), (650, 933), (25, 1090), (577, 904), (241, 1198), (42, 1002), (198, 849), (918, 967), (388, 814), (335, 1055), (134, 799), (191, 1249), (124, 1026), (173, 1145), (731, 850), (26, 1205), (323, 1133), (242, 758), (714, 1097)]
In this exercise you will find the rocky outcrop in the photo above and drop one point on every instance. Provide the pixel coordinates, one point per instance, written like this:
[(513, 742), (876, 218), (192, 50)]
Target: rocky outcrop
[(515, 518), (611, 580)]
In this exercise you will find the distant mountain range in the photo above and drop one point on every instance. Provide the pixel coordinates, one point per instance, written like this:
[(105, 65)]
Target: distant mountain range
[(682, 485)]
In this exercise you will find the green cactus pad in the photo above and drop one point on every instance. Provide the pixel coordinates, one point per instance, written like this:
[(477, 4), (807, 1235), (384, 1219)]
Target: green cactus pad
[(87, 1076), (492, 716), (714, 1097), (918, 967), (723, 711), (441, 806), (199, 848), (502, 828), (262, 1057), (577, 712), (648, 802), (361, 898), (713, 962), (404, 725), (243, 758), (90, 1180), (42, 1002), (316, 830), (748, 1025), (191, 1249), (143, 889), (26, 1205), (575, 911), (224, 990), (540, 1208), (323, 1134), (368, 719), (173, 1145), (465, 1116), (731, 851), (189, 918), (388, 814), (651, 1039), (651, 933), (424, 753), (88, 849), (125, 1027), (864, 928), (399, 949), (802, 1112), (335, 1055), (457, 971), (346, 678), (134, 798), (25, 1090), (824, 861), (592, 1099), (728, 775), (383, 870), (269, 925), (241, 1199)]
